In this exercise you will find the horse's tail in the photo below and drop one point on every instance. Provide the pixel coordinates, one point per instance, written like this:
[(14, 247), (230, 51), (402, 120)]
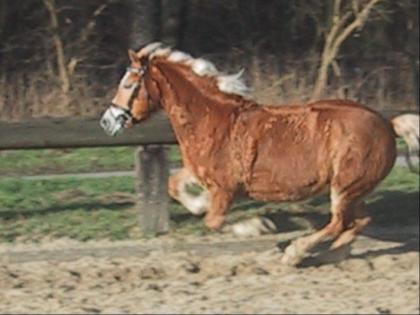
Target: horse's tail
[(407, 127)]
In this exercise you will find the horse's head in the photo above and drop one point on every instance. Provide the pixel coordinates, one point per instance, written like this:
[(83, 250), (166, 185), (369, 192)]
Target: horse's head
[(151, 68), (136, 97)]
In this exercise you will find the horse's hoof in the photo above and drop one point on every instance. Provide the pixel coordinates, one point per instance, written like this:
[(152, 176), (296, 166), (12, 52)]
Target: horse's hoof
[(290, 260), (292, 255), (254, 227)]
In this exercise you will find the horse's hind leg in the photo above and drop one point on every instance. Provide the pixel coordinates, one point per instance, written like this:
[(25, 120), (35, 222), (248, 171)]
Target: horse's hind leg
[(341, 217), (360, 220), (341, 247)]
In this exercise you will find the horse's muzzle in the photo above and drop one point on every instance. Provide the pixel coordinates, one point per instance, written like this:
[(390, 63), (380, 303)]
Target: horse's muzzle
[(114, 120)]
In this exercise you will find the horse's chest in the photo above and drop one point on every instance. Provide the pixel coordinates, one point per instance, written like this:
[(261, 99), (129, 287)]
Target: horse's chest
[(211, 164)]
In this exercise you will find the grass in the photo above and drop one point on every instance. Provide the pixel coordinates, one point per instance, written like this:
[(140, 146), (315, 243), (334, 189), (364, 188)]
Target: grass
[(56, 161), (85, 209), (81, 209)]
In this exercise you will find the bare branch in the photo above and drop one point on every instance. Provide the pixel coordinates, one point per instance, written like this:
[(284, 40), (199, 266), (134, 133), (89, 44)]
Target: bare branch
[(358, 22), (355, 5), (87, 30), (335, 29), (85, 33), (336, 10), (337, 34)]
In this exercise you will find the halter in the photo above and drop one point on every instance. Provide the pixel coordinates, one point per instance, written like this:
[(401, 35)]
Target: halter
[(127, 111), (141, 73)]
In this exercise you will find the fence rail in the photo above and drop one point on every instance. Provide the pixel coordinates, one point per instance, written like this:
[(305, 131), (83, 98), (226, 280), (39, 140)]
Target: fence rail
[(54, 133)]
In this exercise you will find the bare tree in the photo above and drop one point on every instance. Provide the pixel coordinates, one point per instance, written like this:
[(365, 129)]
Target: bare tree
[(66, 50), (345, 20), (66, 64)]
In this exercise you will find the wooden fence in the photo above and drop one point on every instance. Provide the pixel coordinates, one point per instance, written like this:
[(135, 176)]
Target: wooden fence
[(53, 133), (150, 158), (151, 163)]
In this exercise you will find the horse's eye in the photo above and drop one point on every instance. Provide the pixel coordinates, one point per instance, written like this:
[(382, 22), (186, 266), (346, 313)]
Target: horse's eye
[(128, 85)]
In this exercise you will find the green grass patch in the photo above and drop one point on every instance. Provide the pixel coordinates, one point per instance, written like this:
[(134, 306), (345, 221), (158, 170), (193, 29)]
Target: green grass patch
[(56, 161), (80, 209), (18, 194), (28, 162), (85, 209)]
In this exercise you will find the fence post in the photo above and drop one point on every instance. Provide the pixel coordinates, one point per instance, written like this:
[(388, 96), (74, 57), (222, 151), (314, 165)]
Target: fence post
[(152, 173)]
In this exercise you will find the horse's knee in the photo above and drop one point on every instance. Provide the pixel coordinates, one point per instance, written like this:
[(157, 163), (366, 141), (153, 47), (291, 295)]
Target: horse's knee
[(219, 202), (214, 221)]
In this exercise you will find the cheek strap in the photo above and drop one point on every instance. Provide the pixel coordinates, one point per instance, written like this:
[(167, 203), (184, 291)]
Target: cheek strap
[(144, 97)]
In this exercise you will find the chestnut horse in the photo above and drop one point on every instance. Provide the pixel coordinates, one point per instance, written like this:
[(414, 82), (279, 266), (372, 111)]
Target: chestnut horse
[(230, 144)]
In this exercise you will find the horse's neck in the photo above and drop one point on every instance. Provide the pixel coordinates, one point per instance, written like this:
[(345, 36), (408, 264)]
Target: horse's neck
[(192, 103)]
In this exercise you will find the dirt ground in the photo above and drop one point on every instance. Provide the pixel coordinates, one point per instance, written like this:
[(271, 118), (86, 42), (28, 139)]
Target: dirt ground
[(209, 274)]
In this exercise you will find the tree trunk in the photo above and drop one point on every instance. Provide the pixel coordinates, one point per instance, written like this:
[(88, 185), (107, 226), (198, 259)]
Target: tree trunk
[(321, 80), (343, 23), (59, 47), (173, 21), (145, 22)]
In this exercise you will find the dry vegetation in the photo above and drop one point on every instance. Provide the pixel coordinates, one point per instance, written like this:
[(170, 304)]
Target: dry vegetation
[(59, 58)]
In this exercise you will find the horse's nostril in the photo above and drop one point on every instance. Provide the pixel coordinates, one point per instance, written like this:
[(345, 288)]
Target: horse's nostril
[(104, 123)]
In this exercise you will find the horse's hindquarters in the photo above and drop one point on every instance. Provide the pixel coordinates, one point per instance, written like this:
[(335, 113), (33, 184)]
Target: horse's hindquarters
[(365, 152), (295, 156)]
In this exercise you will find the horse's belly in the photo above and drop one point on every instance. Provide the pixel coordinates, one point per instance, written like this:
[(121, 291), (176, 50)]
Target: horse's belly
[(285, 191), (287, 177), (285, 157)]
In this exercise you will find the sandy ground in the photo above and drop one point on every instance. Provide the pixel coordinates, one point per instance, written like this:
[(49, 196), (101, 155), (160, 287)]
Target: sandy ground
[(212, 274)]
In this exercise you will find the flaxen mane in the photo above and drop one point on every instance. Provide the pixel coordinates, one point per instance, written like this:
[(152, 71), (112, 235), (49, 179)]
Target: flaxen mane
[(231, 84)]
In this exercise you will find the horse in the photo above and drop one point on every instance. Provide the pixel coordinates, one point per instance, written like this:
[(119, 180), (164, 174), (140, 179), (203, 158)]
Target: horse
[(232, 145), (407, 127)]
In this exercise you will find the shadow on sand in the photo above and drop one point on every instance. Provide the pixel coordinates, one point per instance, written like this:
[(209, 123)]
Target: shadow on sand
[(395, 218)]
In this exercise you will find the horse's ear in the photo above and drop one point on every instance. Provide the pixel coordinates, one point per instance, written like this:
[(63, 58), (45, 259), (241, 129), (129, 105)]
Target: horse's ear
[(133, 56)]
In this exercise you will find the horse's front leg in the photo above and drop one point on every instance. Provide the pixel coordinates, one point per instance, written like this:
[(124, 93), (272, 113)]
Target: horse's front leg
[(177, 189), (220, 201)]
